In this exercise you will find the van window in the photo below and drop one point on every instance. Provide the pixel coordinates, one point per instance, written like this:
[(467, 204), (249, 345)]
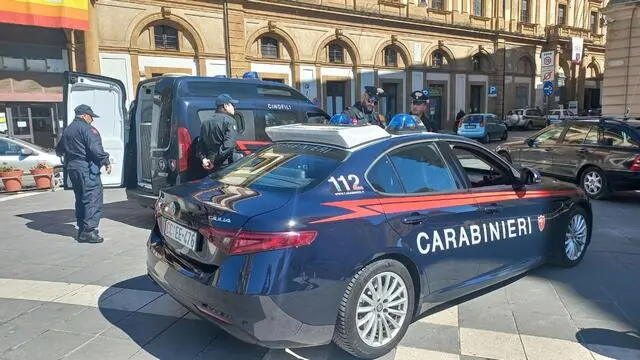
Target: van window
[(283, 167), (239, 90), (317, 118), (207, 113)]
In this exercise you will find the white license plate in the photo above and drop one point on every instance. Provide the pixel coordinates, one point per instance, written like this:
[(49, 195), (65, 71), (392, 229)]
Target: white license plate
[(181, 234), (469, 126)]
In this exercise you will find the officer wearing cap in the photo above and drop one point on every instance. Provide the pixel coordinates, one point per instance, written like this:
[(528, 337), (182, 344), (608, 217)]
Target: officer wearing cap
[(81, 148), (218, 134), (364, 111), (419, 109)]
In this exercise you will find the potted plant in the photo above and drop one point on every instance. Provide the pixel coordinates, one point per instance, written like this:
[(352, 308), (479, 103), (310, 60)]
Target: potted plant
[(11, 177), (42, 174)]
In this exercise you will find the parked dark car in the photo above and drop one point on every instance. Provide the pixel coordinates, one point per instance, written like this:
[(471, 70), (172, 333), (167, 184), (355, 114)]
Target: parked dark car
[(602, 154)]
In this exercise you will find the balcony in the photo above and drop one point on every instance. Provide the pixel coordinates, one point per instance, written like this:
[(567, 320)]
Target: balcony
[(528, 28), (564, 32)]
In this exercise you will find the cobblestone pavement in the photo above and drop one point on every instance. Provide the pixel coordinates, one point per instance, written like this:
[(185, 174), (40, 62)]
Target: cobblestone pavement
[(61, 299)]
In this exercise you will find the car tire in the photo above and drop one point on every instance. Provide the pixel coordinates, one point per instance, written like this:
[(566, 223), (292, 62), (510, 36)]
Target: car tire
[(347, 333), (577, 236), (594, 183)]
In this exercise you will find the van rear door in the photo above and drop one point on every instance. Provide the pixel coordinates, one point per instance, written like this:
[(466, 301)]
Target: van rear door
[(107, 97)]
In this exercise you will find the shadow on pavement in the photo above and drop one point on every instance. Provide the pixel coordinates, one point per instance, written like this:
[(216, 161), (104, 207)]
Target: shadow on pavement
[(57, 222), (600, 340), (167, 330)]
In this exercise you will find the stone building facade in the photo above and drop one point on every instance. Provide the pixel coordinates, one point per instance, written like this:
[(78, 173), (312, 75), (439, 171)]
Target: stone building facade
[(331, 49), (621, 90)]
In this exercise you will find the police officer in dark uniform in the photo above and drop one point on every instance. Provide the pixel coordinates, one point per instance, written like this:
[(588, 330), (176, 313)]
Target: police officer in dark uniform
[(364, 111), (218, 135), (419, 109), (81, 149)]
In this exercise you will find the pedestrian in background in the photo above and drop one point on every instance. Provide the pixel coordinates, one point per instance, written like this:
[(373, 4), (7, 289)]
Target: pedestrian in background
[(81, 149), (218, 135)]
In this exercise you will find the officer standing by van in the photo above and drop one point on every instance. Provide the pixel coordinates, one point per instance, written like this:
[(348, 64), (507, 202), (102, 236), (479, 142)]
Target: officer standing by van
[(81, 148), (218, 134), (364, 111), (419, 109)]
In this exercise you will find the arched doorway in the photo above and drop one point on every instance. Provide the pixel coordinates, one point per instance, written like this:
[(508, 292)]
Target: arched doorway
[(478, 81), (338, 61), (523, 81)]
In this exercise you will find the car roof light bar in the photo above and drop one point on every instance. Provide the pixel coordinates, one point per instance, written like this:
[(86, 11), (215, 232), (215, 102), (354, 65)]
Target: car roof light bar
[(346, 137)]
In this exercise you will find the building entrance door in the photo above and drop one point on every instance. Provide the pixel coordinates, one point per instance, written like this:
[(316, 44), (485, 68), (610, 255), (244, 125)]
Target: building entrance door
[(336, 97), (477, 94), (435, 105), (389, 103)]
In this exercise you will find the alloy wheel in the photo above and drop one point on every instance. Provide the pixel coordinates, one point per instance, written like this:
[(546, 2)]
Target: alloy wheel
[(592, 183), (575, 237), (382, 309)]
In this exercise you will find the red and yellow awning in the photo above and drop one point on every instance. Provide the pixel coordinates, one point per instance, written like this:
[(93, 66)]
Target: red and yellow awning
[(67, 14)]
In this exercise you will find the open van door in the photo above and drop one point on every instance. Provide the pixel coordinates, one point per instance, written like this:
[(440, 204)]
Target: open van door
[(107, 97)]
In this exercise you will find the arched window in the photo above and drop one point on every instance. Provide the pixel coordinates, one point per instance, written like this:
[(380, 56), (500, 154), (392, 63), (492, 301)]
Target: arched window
[(390, 57), (525, 67), (478, 62), (336, 53), (269, 47), (166, 37), (438, 59)]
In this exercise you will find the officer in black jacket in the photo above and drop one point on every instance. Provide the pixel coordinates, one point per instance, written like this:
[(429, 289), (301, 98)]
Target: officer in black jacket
[(81, 149), (419, 109), (364, 111), (218, 135)]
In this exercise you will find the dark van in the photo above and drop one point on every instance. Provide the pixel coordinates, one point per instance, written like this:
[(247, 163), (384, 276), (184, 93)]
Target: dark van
[(157, 133)]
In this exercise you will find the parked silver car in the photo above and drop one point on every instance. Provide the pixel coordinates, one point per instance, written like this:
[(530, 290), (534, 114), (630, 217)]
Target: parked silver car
[(525, 118), (25, 155)]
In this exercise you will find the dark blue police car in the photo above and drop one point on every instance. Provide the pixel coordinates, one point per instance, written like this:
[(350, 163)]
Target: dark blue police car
[(350, 233)]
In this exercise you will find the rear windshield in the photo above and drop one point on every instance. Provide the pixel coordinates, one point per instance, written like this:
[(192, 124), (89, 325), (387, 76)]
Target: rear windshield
[(240, 90), (472, 119), (515, 112), (283, 166)]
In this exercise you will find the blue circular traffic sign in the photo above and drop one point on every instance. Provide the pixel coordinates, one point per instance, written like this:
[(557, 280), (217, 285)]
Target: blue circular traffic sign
[(547, 87)]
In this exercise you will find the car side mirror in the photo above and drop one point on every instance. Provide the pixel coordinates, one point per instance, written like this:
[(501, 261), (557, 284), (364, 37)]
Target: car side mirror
[(26, 152), (530, 176)]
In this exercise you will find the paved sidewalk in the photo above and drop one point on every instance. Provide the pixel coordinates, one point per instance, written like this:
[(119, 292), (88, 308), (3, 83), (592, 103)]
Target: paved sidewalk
[(82, 301)]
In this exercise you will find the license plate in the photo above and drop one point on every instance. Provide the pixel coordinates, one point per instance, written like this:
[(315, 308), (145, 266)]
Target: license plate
[(469, 126), (180, 234)]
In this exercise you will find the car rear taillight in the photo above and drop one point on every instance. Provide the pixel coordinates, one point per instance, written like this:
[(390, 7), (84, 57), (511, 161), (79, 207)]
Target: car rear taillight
[(244, 242), (184, 142), (482, 124), (635, 166)]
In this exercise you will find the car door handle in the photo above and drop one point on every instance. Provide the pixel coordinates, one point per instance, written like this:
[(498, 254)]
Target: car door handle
[(492, 209), (415, 218)]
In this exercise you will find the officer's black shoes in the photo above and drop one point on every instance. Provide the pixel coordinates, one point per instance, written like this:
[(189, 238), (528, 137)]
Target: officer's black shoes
[(91, 237)]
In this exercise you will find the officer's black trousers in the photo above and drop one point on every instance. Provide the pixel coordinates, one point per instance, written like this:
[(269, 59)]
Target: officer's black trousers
[(87, 188)]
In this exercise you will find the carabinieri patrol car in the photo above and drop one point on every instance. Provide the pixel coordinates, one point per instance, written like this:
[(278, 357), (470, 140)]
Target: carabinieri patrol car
[(350, 233)]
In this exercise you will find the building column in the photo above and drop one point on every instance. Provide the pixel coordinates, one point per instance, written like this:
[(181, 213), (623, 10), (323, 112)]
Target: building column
[(91, 42)]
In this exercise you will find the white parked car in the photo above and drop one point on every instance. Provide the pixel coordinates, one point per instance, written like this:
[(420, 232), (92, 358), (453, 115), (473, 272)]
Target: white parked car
[(25, 155), (557, 115)]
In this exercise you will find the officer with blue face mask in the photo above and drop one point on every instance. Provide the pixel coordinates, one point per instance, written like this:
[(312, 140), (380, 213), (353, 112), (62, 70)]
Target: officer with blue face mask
[(81, 148)]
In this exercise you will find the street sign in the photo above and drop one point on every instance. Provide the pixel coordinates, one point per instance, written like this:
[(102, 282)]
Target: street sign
[(548, 58), (548, 74), (425, 92), (547, 88), (493, 91)]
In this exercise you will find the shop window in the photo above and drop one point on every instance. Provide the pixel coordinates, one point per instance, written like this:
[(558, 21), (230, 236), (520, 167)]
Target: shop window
[(336, 54), (166, 37), (438, 59), (269, 48), (390, 57)]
